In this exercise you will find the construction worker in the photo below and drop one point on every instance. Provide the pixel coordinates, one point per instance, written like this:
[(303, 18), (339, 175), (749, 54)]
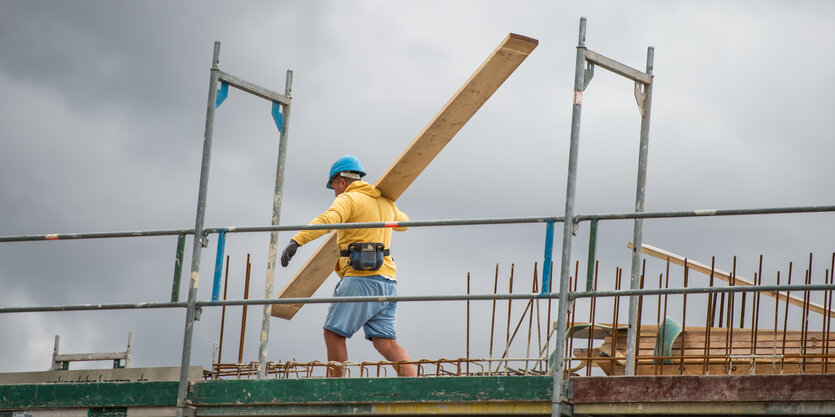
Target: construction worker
[(365, 267)]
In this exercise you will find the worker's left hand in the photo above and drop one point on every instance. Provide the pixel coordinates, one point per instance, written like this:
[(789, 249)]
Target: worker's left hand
[(288, 253)]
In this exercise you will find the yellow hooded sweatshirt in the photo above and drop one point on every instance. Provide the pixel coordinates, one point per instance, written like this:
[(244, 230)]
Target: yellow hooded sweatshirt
[(361, 202)]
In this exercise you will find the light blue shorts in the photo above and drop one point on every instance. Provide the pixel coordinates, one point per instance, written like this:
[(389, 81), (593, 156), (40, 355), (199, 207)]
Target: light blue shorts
[(376, 318)]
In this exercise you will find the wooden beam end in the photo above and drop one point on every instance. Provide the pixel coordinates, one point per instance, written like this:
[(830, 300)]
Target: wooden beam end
[(520, 43)]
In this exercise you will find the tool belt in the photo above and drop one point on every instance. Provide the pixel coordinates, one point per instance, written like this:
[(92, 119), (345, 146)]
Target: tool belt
[(365, 256)]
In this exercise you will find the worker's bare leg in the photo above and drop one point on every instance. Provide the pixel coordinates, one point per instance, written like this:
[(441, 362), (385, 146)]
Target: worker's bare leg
[(393, 352), (337, 351)]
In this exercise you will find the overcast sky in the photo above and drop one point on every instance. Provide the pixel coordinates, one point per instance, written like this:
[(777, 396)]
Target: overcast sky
[(102, 128)]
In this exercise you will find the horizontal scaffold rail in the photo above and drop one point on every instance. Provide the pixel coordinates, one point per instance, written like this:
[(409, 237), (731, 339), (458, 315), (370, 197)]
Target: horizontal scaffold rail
[(424, 223), (408, 298)]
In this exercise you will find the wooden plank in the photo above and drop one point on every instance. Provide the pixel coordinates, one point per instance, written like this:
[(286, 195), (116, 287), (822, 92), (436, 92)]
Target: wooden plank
[(310, 277), (455, 114), (724, 276), (416, 157)]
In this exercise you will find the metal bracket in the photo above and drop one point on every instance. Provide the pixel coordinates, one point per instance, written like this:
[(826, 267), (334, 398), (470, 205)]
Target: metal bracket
[(222, 93), (588, 74), (640, 97), (198, 311), (278, 116), (204, 241)]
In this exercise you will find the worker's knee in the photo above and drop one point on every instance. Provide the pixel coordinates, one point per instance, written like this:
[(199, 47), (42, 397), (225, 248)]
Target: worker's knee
[(333, 337)]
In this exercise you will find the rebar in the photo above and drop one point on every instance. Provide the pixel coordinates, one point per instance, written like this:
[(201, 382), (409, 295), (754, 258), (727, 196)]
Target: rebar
[(786, 319), (615, 313), (572, 315), (493, 319), (711, 310), (534, 290), (510, 291), (243, 312), (683, 319), (468, 322), (808, 297), (758, 279), (592, 314), (828, 318), (223, 312)]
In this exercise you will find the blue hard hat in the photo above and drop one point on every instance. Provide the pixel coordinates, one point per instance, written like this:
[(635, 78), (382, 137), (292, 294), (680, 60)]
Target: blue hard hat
[(346, 163)]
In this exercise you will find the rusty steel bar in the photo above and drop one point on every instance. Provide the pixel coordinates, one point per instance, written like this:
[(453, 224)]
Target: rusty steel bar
[(538, 317), (828, 318), (658, 322), (507, 339), (615, 314), (757, 302), (786, 319), (729, 334), (742, 310), (776, 320), (243, 313), (572, 313), (807, 296), (493, 320), (640, 313), (534, 289), (223, 311), (711, 310), (516, 330), (468, 322), (592, 316), (666, 286), (683, 318)]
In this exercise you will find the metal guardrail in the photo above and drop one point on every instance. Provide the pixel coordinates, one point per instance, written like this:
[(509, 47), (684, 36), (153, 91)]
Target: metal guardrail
[(412, 298)]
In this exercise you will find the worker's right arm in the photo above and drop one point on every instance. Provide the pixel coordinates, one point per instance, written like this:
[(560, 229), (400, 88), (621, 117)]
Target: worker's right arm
[(339, 212), (400, 216)]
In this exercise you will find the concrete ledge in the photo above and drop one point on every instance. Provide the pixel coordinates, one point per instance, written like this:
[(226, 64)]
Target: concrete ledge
[(373, 390), (169, 373), (709, 388)]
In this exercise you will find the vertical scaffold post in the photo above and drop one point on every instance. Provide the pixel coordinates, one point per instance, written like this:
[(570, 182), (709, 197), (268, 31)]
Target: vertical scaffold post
[(277, 199), (194, 278), (568, 229), (644, 104)]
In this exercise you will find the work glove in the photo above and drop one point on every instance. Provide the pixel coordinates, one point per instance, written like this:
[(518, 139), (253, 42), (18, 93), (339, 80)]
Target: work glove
[(288, 253)]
